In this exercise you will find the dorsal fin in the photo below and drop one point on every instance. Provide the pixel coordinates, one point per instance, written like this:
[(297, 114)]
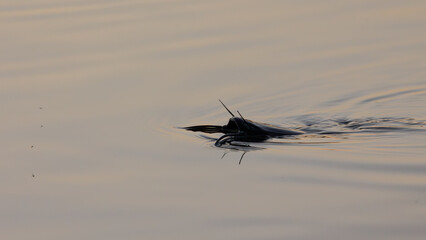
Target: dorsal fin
[(227, 109), (241, 116)]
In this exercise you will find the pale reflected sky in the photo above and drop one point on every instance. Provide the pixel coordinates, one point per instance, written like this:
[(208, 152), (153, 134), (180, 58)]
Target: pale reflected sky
[(114, 79)]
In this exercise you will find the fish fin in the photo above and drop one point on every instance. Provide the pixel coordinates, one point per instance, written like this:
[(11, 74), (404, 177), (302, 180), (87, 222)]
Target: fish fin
[(241, 116), (227, 108)]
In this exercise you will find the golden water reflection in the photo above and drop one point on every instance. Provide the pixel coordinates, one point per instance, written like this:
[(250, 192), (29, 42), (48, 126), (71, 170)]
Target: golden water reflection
[(115, 79)]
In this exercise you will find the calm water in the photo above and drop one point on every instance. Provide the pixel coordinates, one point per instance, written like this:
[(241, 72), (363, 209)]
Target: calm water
[(92, 93)]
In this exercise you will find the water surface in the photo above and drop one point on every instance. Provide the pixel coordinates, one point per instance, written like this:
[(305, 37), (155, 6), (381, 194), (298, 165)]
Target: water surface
[(92, 92)]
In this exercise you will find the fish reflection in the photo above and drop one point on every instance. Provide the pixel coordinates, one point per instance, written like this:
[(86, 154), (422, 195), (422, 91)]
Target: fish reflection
[(239, 148)]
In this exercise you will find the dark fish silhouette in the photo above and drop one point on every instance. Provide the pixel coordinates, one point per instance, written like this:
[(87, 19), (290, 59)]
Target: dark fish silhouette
[(243, 130)]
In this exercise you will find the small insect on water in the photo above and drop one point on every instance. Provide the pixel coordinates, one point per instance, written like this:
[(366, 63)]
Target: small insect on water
[(243, 130)]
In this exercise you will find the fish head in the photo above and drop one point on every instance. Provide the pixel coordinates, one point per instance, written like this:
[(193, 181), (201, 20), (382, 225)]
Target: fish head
[(238, 125)]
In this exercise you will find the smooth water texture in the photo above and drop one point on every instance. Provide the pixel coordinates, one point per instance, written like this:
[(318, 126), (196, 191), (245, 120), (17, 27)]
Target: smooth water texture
[(92, 95)]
